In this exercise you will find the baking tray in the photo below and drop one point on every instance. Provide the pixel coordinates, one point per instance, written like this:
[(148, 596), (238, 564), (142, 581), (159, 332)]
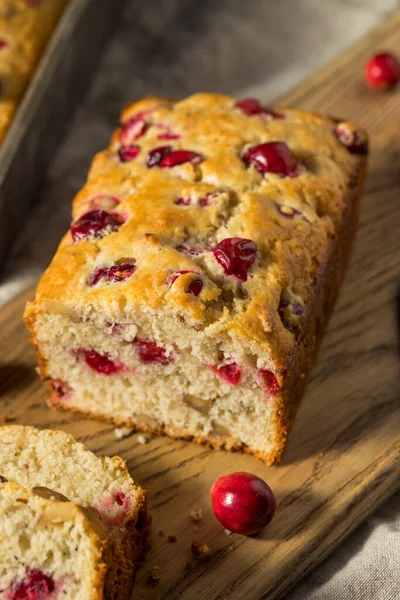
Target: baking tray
[(56, 88)]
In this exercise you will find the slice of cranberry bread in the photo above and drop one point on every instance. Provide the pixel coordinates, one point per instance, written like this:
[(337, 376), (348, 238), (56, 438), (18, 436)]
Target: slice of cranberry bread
[(54, 460), (50, 548), (204, 257)]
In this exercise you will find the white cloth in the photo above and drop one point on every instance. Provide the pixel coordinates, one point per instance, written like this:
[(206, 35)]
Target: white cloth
[(175, 47)]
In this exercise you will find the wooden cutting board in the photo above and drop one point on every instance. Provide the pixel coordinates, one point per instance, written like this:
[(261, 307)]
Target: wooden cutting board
[(342, 459)]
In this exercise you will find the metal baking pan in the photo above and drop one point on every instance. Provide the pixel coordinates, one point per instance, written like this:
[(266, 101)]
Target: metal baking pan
[(53, 94)]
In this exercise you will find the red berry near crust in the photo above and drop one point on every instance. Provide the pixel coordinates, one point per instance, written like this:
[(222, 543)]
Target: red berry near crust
[(37, 586), (271, 157), (128, 153), (236, 255), (354, 139), (252, 106), (95, 224), (230, 373), (382, 71), (243, 503)]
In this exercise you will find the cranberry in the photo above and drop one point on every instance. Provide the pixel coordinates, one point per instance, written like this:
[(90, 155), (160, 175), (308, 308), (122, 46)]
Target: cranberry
[(295, 310), (128, 153), (115, 507), (230, 373), (113, 274), (37, 586), (168, 136), (252, 106), (131, 131), (271, 157), (194, 287), (268, 382), (3, 43), (149, 352), (155, 156), (236, 256), (165, 158), (202, 202), (183, 201), (94, 224), (60, 387), (243, 503), (288, 211), (354, 139), (100, 362), (382, 71)]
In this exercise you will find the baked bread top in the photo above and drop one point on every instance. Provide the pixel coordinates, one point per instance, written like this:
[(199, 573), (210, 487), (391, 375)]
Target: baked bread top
[(219, 211)]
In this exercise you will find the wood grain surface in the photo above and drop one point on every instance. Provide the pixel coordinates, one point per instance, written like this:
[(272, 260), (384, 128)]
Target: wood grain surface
[(342, 459)]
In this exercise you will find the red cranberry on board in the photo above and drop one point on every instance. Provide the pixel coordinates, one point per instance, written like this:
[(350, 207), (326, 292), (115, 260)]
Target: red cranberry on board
[(271, 157), (194, 287), (268, 382), (128, 153), (236, 256), (149, 352), (354, 139), (229, 373), (37, 586), (95, 224), (382, 71), (252, 106), (100, 363), (243, 503)]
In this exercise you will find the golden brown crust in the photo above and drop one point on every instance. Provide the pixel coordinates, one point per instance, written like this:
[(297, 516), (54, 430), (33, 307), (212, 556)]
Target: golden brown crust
[(25, 28), (303, 256)]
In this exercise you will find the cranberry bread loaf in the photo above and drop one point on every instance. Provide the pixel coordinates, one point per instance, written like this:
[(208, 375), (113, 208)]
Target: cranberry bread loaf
[(204, 257), (50, 548), (54, 460), (25, 28)]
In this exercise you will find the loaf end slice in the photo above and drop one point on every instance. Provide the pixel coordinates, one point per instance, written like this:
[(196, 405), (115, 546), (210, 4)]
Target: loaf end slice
[(204, 257), (52, 463)]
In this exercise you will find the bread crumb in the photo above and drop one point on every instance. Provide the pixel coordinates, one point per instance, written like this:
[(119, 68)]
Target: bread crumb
[(154, 576), (172, 539), (227, 532), (143, 439), (122, 432), (197, 515), (200, 550)]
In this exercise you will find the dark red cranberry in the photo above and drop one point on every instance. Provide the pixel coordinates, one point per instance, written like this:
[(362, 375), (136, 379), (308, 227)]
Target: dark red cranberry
[(149, 352), (132, 130), (194, 287), (230, 373), (120, 272), (271, 157), (100, 363), (382, 71), (243, 503), (37, 586), (155, 156), (288, 211), (3, 43), (114, 274), (268, 382), (354, 139), (236, 256), (252, 106), (183, 201), (166, 158), (128, 153), (94, 224)]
